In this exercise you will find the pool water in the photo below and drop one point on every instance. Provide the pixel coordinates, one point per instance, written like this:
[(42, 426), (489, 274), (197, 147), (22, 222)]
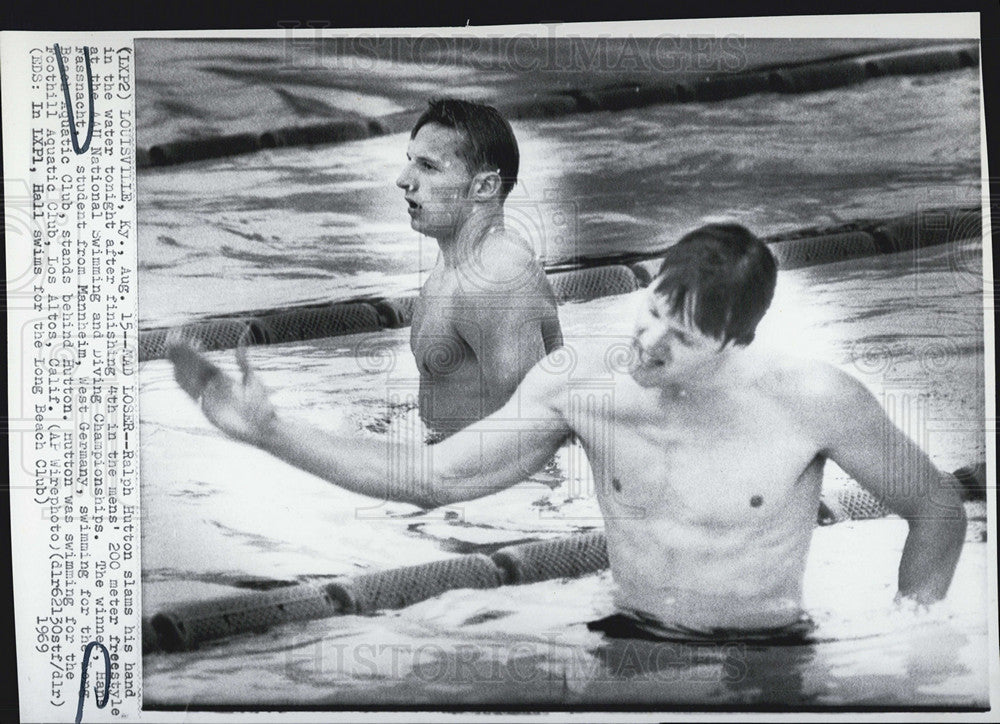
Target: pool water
[(305, 224), (297, 225), (217, 514), (529, 645)]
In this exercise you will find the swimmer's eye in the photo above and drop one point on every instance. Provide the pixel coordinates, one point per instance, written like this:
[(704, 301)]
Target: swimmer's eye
[(683, 338), (655, 312), (422, 163)]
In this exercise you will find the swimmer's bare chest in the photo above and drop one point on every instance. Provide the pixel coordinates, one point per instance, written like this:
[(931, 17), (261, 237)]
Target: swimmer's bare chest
[(713, 463), (440, 350)]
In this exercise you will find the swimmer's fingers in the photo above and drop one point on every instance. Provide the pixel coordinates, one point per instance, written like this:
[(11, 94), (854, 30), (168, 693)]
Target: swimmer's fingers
[(251, 383), (912, 604), (243, 360), (174, 337), (177, 337), (250, 378), (191, 370), (249, 405)]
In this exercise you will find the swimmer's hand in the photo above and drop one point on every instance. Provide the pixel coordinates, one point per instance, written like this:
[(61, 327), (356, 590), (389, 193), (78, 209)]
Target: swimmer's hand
[(241, 410), (912, 605)]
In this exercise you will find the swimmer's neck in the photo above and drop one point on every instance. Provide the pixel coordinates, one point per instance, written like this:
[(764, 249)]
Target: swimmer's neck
[(459, 249)]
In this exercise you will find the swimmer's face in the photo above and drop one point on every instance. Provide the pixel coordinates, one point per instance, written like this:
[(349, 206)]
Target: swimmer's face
[(437, 181), (668, 348)]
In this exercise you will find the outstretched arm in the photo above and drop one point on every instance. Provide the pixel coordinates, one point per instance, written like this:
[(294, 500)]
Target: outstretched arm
[(863, 441), (489, 456)]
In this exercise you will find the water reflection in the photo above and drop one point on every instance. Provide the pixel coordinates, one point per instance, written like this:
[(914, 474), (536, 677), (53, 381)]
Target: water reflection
[(328, 222)]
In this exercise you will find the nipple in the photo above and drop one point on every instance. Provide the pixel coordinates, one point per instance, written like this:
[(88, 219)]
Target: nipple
[(616, 484), (756, 501)]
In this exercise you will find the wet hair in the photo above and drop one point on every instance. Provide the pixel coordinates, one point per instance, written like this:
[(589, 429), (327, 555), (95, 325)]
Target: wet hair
[(488, 139), (723, 277)]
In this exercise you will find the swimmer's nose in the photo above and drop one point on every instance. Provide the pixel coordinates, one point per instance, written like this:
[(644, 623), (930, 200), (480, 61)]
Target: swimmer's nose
[(405, 180), (655, 345), (645, 339)]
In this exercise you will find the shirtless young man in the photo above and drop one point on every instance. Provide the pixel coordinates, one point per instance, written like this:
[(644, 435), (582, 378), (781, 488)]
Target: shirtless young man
[(708, 466), (486, 313)]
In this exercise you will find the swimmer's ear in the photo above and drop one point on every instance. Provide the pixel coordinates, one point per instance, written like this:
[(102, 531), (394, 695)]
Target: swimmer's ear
[(486, 185)]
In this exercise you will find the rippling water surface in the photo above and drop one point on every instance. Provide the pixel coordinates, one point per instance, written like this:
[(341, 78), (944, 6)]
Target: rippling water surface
[(297, 225), (304, 224), (219, 514)]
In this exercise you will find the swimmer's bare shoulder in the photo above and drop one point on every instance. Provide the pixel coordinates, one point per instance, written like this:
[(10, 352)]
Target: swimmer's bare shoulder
[(850, 427), (505, 263), (853, 430), (817, 396), (803, 385), (503, 287)]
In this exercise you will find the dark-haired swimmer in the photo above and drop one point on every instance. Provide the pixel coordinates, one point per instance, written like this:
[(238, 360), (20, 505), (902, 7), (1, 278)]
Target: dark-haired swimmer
[(486, 313), (708, 458)]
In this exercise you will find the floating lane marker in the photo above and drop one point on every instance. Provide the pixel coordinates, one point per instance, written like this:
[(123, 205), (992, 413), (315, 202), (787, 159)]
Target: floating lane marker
[(817, 77), (930, 227), (591, 279), (168, 154), (584, 285), (303, 323), (211, 335), (189, 625), (317, 134), (797, 253), (803, 78)]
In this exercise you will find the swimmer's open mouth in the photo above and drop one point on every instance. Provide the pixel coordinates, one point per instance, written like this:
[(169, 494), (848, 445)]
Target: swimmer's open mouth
[(650, 362), (646, 361), (412, 204)]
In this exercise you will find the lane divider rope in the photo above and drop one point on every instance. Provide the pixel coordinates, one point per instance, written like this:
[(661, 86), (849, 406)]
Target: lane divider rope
[(579, 280), (189, 625), (806, 77)]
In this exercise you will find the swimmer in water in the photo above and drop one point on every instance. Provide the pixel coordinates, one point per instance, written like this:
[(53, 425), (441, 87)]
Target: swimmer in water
[(708, 464), (486, 313)]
